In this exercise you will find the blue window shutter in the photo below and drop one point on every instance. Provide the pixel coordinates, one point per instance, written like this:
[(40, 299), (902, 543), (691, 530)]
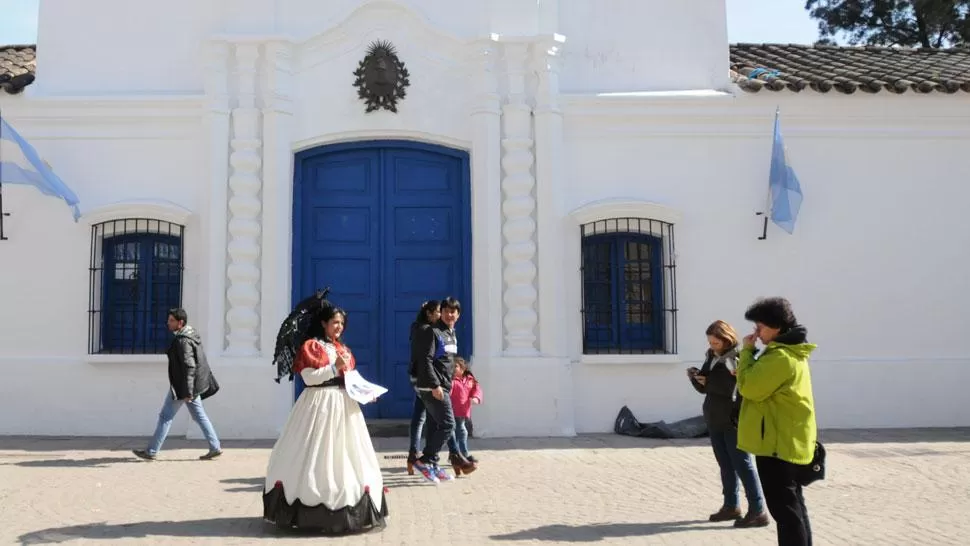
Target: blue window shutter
[(142, 279), (623, 293)]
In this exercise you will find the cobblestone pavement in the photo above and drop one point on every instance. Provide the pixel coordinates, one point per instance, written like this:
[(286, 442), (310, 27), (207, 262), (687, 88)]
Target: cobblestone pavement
[(906, 487)]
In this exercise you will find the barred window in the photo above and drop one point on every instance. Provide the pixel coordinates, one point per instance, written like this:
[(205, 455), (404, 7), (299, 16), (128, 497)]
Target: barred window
[(629, 287), (136, 277)]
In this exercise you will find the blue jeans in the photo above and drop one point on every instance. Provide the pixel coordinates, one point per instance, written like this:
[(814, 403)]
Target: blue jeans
[(165, 417), (735, 464), (419, 417), (461, 435)]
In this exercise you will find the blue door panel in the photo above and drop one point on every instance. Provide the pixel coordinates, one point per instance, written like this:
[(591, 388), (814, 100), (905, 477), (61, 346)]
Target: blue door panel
[(424, 254), (387, 226)]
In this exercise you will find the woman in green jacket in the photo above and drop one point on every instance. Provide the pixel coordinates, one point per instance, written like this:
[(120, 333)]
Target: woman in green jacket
[(777, 420)]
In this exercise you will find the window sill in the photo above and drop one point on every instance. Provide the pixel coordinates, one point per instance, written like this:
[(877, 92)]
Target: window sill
[(629, 360), (126, 359)]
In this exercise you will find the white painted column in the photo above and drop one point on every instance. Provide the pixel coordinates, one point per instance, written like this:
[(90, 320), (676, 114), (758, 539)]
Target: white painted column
[(518, 208), (549, 189), (245, 207), (486, 196), (277, 190), (213, 222)]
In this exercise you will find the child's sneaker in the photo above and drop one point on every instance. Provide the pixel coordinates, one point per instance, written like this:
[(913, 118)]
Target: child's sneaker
[(441, 474), (426, 470)]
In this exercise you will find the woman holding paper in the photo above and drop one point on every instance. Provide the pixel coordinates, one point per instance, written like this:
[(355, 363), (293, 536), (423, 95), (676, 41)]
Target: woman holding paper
[(323, 473)]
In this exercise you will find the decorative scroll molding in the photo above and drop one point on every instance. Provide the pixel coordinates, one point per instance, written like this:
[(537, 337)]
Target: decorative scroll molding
[(518, 209), (245, 207)]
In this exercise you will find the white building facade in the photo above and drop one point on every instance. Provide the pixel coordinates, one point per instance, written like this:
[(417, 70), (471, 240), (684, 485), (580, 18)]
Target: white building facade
[(586, 187)]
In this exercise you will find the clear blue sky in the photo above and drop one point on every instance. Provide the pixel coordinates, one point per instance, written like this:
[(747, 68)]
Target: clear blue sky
[(782, 21)]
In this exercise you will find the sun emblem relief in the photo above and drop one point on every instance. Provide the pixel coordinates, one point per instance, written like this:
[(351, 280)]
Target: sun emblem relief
[(382, 78)]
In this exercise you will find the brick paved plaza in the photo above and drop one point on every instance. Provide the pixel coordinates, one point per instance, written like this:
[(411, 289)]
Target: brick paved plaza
[(906, 487)]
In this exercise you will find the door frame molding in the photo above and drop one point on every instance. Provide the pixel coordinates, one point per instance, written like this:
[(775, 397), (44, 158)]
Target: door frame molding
[(467, 242)]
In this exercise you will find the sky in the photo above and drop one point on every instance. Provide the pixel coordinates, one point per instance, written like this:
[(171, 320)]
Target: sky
[(779, 21)]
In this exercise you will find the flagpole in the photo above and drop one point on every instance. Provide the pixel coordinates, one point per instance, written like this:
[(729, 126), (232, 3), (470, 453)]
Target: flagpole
[(2, 213), (767, 210)]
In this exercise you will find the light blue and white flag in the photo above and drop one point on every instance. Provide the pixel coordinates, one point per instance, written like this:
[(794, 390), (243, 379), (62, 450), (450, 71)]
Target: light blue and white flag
[(21, 164), (784, 189)]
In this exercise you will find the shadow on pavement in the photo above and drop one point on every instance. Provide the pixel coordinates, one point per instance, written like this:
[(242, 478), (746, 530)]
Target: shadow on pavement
[(203, 528), (75, 463), (247, 485), (600, 531), (247, 527)]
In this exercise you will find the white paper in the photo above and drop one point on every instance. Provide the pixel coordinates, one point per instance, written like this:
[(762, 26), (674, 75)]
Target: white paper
[(360, 389)]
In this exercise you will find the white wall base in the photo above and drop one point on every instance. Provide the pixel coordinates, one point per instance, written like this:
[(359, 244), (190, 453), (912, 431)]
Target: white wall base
[(525, 396)]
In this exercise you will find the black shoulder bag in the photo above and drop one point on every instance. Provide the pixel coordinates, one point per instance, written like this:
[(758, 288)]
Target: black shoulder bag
[(814, 471)]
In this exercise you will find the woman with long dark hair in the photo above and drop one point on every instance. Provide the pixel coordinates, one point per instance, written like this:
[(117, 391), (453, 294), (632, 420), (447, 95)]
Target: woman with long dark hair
[(428, 314), (323, 474)]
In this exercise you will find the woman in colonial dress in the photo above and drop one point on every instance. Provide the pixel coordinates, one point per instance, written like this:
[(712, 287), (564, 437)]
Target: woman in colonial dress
[(323, 473)]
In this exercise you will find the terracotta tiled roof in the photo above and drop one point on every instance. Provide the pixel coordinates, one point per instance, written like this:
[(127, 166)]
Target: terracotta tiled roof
[(870, 69), (17, 67), (776, 67)]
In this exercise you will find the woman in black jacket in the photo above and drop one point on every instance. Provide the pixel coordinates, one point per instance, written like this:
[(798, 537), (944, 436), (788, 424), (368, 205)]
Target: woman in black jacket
[(429, 314), (716, 380)]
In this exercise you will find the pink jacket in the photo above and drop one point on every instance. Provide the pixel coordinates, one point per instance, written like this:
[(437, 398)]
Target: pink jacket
[(463, 389)]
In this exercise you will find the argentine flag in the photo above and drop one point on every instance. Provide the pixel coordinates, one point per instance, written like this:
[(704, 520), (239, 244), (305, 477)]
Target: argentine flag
[(20, 164), (784, 189)]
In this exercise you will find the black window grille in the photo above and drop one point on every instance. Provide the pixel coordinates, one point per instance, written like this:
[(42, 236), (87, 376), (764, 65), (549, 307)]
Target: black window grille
[(135, 278), (629, 287)]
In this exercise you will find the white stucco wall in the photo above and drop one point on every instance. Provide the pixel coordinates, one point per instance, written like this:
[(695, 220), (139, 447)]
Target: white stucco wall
[(112, 47), (874, 269)]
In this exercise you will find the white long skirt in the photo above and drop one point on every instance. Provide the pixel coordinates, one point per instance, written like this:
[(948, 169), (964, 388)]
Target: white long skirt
[(323, 472)]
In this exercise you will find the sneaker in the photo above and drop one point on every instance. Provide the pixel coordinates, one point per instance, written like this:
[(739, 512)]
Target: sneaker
[(753, 519), (441, 474), (426, 470), (143, 454), (211, 455)]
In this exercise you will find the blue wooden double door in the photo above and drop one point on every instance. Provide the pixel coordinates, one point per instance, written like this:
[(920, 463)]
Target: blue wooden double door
[(387, 226)]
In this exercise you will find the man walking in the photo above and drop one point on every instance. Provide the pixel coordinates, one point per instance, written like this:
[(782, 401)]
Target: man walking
[(190, 382), (434, 367)]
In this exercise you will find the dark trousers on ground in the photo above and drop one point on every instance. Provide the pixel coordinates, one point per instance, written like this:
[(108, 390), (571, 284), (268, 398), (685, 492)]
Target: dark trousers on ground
[(419, 431), (442, 420), (785, 501)]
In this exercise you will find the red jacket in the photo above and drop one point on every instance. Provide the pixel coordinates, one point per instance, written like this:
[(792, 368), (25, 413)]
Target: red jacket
[(463, 389)]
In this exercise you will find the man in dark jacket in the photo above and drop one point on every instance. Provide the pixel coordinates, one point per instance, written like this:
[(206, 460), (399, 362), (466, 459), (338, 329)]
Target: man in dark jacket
[(190, 381), (433, 351)]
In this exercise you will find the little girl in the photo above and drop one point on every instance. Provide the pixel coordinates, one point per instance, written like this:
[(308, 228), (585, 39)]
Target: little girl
[(465, 391)]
